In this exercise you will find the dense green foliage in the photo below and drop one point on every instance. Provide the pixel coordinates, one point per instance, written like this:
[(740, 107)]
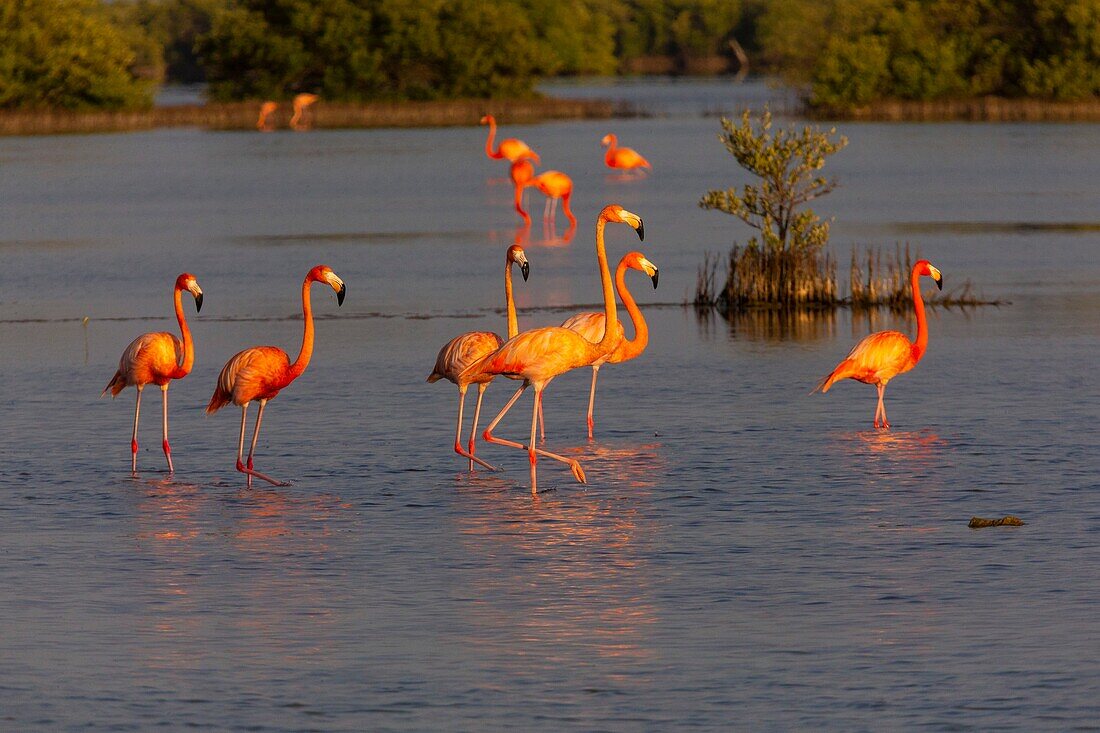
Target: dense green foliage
[(855, 51), (786, 163), (67, 54)]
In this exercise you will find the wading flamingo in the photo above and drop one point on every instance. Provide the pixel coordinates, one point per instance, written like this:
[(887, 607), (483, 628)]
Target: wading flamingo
[(880, 357), (302, 102), (539, 355), (622, 158), (261, 372), (555, 185), (158, 358), (590, 325), (473, 346), (509, 148), (521, 173), (265, 123)]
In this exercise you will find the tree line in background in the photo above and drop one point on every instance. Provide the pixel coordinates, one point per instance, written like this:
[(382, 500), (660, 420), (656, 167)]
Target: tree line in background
[(99, 54)]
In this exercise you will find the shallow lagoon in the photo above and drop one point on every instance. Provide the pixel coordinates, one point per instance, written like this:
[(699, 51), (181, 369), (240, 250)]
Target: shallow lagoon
[(745, 555)]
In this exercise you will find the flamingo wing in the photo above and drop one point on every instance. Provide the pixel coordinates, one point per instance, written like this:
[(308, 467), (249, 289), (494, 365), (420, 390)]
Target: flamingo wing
[(251, 374), (151, 357), (514, 149), (875, 360), (538, 355), (463, 351)]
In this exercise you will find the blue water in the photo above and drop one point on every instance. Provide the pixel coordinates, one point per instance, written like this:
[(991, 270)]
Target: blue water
[(745, 556)]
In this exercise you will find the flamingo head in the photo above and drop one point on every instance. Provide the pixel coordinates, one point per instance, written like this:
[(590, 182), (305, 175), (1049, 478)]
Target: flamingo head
[(638, 261), (187, 282), (608, 139), (488, 120), (324, 274), (518, 256), (924, 267), (618, 215)]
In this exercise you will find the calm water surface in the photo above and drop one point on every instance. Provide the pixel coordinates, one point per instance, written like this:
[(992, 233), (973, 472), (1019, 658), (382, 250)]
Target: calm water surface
[(745, 556)]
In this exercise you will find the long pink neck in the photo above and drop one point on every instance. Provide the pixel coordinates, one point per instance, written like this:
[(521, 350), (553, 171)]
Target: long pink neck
[(922, 323), (611, 336), (610, 154), (188, 345), (300, 364), (513, 322), (629, 349), (489, 141)]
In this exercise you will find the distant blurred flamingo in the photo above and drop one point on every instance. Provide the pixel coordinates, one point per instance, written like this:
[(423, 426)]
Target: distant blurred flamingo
[(623, 158), (263, 371), (469, 348), (555, 185), (159, 358), (521, 173), (880, 357), (539, 355), (302, 102), (509, 148), (265, 123), (591, 325)]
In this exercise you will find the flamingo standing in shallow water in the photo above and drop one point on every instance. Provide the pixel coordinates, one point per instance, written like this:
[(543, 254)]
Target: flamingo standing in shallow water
[(539, 355), (265, 123), (880, 357), (555, 185), (622, 158), (301, 103), (509, 148), (261, 372), (473, 346), (591, 325), (158, 358)]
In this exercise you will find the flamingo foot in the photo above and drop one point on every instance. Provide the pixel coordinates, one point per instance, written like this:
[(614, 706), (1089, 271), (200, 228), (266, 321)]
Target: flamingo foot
[(578, 472), (473, 459), (250, 473), (168, 455)]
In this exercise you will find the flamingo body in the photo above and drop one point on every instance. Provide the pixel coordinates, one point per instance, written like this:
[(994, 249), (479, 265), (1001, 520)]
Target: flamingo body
[(264, 123), (509, 148), (462, 351), (881, 356), (301, 103), (555, 185), (622, 158)]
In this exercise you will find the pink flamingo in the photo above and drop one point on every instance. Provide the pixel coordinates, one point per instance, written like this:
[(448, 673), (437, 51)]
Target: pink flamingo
[(591, 325), (471, 347), (158, 358), (539, 355), (263, 371), (521, 173), (510, 148), (555, 185), (622, 158), (881, 356), (301, 103)]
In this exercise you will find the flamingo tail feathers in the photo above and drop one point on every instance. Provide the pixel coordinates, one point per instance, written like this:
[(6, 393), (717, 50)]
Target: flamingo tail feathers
[(220, 399), (841, 372), (116, 385)]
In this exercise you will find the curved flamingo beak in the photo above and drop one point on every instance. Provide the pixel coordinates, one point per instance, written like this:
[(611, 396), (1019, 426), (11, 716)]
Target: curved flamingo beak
[(198, 302), (196, 291), (655, 277), (341, 293), (635, 221), (525, 270), (936, 276)]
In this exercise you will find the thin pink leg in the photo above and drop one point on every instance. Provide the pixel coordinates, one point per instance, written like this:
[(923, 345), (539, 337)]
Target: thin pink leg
[(592, 399), (546, 214), (240, 448), (133, 440), (473, 429), (531, 455), (458, 433), (542, 425), (166, 446), (488, 436)]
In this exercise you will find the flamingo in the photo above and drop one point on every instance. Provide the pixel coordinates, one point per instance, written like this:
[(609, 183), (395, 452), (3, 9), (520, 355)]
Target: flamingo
[(521, 173), (301, 103), (539, 355), (624, 158), (473, 346), (881, 356), (264, 123), (509, 148), (555, 185), (590, 325), (158, 358), (262, 371)]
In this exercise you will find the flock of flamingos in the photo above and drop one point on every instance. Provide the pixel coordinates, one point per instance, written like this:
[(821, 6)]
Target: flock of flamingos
[(535, 357)]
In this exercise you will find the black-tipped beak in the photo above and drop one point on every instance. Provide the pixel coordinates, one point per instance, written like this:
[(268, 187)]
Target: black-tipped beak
[(654, 277), (939, 282), (525, 270), (341, 293), (641, 230), (198, 302)]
